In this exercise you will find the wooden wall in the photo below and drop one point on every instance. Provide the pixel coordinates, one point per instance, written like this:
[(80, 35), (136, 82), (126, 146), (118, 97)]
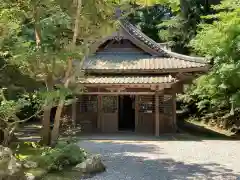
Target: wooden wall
[(91, 115), (109, 114)]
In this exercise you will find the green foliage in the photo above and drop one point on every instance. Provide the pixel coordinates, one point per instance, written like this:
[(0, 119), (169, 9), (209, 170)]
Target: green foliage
[(54, 21), (181, 28), (9, 115), (219, 90), (51, 159), (55, 159), (9, 108), (38, 38), (148, 18), (173, 4)]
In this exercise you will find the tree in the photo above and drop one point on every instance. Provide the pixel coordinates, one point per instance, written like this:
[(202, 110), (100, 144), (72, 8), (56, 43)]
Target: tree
[(45, 38), (219, 89), (9, 119), (148, 18), (43, 47), (181, 28)]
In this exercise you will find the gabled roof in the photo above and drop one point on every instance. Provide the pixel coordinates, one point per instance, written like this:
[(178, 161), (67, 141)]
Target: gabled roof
[(156, 57)]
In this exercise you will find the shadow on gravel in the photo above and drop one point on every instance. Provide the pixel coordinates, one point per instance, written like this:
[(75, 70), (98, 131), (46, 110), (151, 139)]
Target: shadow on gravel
[(139, 161), (169, 169)]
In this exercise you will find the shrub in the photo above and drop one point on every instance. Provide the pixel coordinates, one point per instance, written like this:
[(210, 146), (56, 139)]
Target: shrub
[(51, 159), (62, 155)]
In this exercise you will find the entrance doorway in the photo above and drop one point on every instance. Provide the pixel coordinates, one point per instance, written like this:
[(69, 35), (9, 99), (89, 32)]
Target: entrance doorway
[(126, 119)]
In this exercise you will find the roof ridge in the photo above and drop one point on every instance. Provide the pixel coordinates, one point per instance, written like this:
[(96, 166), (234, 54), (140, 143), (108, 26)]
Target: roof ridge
[(159, 47)]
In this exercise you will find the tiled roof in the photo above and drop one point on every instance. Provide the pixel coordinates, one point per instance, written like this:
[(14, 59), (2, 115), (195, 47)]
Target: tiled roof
[(128, 80), (134, 61), (157, 46)]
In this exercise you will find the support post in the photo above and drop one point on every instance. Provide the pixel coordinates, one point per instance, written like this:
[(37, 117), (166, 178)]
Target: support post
[(136, 112), (99, 112), (174, 109), (157, 119), (74, 111)]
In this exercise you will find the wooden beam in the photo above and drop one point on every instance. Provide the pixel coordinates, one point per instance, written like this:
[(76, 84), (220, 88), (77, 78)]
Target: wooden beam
[(118, 93), (136, 112), (116, 89), (157, 117), (203, 69), (99, 112)]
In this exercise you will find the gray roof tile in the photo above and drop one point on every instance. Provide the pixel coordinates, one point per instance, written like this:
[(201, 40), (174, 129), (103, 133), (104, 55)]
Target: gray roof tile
[(134, 61), (128, 80)]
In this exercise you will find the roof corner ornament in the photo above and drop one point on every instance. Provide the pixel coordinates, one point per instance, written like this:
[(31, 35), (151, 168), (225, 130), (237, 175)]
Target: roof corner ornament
[(118, 37), (118, 13)]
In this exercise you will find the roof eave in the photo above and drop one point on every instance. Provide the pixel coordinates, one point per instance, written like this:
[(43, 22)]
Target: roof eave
[(124, 84), (149, 71)]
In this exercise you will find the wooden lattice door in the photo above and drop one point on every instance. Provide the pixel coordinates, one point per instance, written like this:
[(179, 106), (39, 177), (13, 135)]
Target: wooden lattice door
[(166, 113), (145, 120), (109, 119)]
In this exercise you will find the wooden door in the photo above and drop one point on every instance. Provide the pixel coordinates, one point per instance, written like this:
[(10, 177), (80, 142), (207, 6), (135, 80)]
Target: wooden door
[(109, 117), (145, 116)]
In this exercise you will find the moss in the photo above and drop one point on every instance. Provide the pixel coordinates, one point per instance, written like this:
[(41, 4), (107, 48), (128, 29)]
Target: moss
[(67, 174), (28, 151), (49, 160), (36, 172)]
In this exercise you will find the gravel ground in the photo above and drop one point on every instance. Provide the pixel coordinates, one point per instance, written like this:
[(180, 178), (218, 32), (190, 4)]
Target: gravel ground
[(130, 157)]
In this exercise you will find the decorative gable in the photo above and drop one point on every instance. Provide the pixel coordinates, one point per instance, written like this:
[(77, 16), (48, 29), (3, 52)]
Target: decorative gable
[(120, 46)]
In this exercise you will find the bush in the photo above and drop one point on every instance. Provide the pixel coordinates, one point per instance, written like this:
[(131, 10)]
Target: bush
[(51, 159), (62, 155)]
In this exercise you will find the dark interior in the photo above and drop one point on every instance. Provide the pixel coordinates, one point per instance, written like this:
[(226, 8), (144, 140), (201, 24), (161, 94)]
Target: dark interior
[(126, 114)]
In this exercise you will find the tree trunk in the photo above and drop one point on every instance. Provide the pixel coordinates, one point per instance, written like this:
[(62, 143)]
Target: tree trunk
[(6, 138), (184, 5), (57, 119), (37, 28), (1, 136), (46, 130), (9, 136), (232, 111)]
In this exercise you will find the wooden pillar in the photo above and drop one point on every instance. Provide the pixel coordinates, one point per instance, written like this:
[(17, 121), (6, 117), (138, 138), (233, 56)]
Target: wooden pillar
[(99, 115), (174, 109), (157, 119), (74, 111), (136, 112)]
